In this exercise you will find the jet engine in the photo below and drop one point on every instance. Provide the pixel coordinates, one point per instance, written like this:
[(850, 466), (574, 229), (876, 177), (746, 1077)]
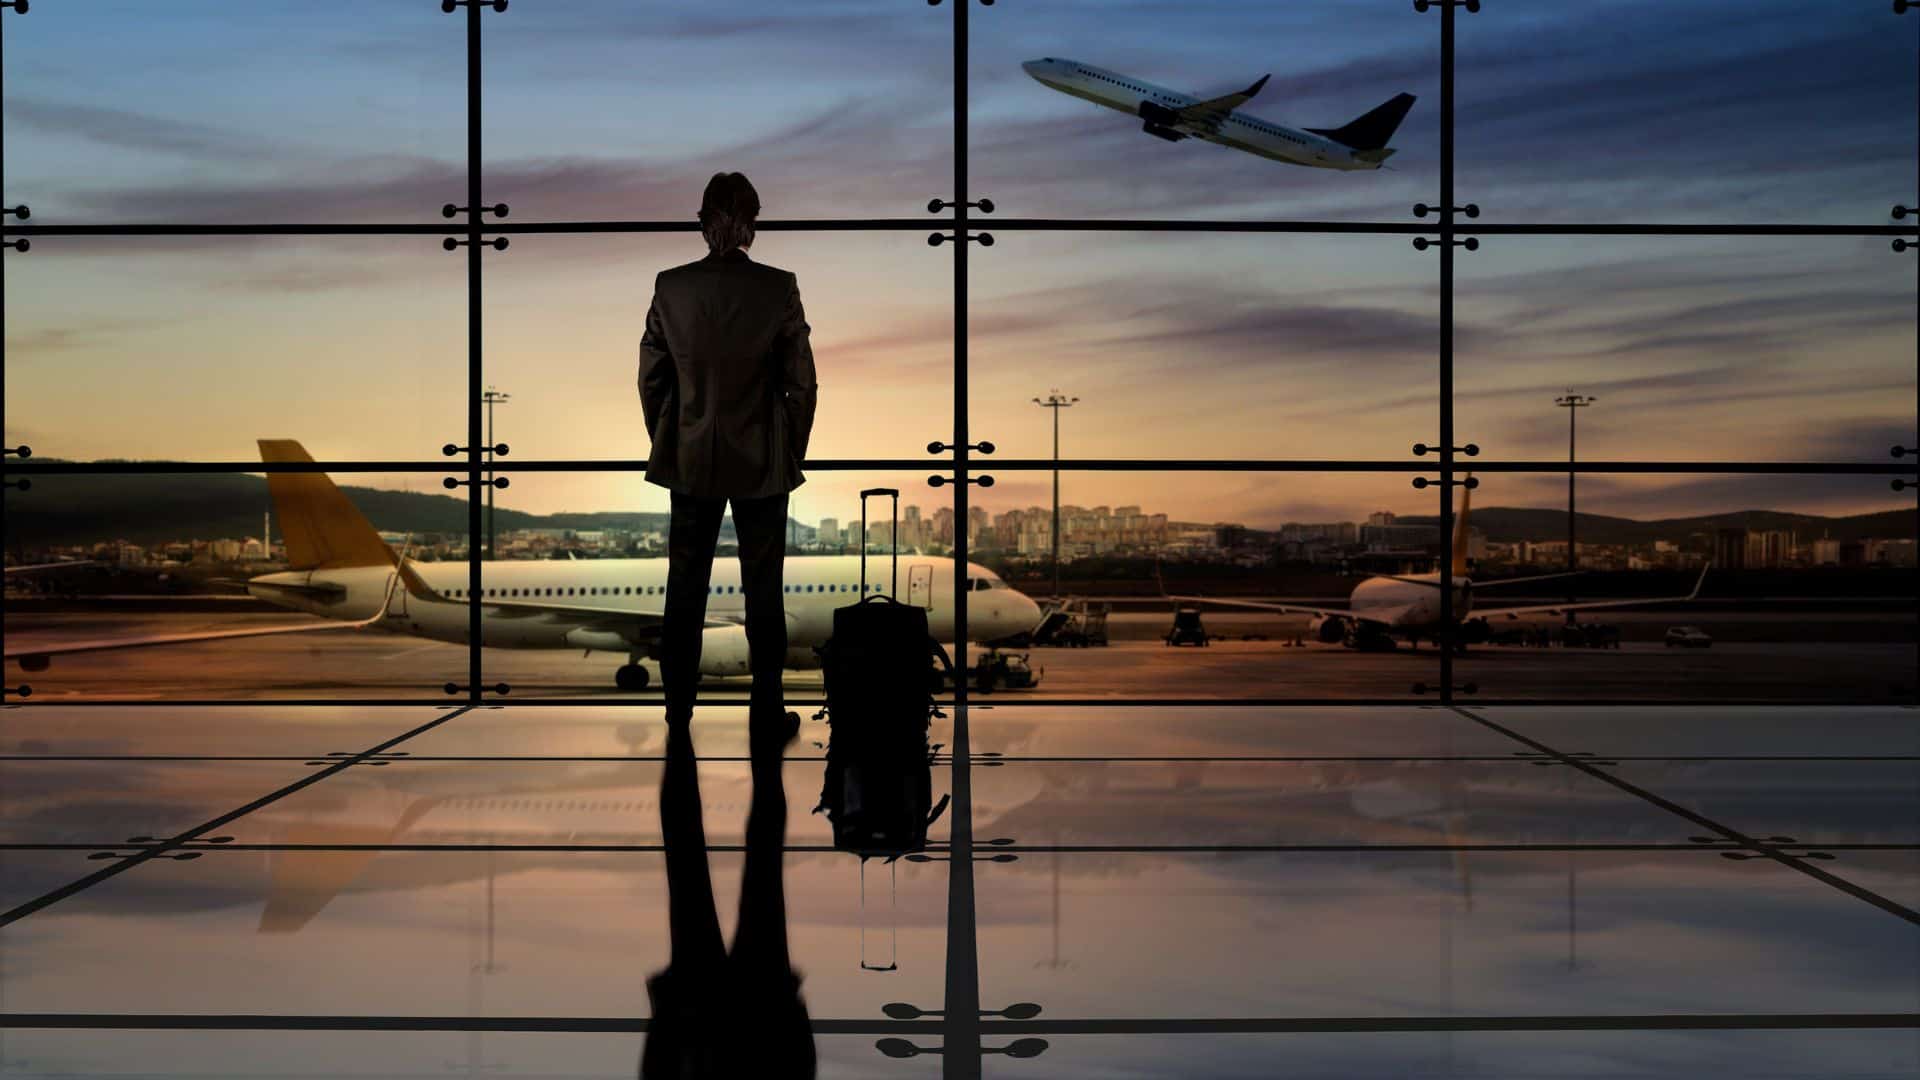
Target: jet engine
[(1163, 133), (1158, 115), (723, 651), (1328, 629)]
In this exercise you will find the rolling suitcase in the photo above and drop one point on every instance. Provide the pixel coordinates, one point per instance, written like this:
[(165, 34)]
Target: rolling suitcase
[(881, 666)]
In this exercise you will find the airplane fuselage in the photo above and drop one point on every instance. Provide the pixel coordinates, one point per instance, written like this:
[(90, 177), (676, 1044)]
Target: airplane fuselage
[(1238, 130), (1408, 602), (814, 587)]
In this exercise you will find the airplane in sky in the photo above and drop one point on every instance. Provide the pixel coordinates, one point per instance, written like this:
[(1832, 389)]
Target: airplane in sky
[(339, 567), (1389, 606), (1173, 116)]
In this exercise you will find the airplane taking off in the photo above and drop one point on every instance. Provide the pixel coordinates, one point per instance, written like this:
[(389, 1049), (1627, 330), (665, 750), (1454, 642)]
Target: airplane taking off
[(1386, 606), (1172, 115), (340, 568)]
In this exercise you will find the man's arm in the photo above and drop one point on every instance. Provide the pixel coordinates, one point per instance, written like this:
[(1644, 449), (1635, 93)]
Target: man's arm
[(657, 376), (795, 352)]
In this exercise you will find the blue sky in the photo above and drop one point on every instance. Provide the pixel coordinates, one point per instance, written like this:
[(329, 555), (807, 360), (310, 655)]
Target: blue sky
[(1209, 345)]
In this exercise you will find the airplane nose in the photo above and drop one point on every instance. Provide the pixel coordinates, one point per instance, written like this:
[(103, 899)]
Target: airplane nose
[(1027, 613), (1034, 67)]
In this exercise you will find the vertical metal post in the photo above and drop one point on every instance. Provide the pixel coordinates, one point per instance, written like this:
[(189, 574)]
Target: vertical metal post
[(961, 1041), (1448, 637), (475, 587)]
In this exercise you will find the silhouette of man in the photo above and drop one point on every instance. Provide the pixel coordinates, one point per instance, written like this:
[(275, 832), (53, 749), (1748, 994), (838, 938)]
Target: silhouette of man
[(727, 382)]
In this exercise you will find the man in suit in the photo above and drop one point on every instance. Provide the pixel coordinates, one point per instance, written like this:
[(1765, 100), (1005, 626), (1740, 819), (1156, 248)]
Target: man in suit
[(727, 383)]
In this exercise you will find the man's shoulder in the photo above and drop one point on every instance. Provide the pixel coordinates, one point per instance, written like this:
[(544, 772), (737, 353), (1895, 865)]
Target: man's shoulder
[(700, 266)]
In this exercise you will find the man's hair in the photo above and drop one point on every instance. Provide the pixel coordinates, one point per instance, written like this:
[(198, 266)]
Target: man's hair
[(727, 211)]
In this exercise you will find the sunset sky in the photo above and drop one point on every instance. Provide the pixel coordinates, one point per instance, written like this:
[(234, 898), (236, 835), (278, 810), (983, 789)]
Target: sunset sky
[(1199, 345)]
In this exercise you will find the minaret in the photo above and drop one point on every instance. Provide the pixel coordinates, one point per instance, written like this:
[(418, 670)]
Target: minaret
[(266, 534)]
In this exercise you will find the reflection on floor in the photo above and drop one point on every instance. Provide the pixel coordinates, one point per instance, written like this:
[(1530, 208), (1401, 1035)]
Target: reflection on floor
[(1220, 891)]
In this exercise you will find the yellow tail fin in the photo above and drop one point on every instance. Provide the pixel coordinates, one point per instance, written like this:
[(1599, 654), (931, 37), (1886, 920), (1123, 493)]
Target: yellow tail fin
[(320, 525), (1460, 531)]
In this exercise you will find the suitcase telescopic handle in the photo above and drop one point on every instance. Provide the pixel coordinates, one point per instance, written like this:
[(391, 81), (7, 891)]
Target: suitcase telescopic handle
[(893, 537)]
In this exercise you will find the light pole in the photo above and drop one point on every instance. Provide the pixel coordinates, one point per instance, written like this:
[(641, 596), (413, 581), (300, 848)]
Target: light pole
[(1573, 403), (1056, 402), (491, 397)]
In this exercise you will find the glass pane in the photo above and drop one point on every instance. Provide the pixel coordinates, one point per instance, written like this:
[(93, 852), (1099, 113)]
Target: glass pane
[(1064, 136), (1433, 933), (230, 586), (1738, 349), (117, 112), (1261, 570), (1809, 594), (192, 350), (601, 110), (580, 581), (565, 317), (1205, 345), (1635, 110)]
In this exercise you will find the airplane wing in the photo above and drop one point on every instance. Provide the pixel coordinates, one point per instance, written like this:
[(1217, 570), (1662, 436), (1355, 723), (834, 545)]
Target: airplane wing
[(17, 652), (1208, 115), (37, 567), (1588, 605), (1382, 616), (1497, 582), (35, 657)]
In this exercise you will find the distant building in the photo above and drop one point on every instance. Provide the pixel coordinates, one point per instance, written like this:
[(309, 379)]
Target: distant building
[(1768, 550), (1730, 548), (829, 532)]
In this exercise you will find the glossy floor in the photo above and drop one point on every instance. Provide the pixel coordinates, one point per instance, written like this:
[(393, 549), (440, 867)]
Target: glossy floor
[(1197, 891)]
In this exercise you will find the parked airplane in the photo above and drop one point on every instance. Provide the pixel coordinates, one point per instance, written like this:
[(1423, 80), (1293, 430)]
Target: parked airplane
[(340, 568), (1172, 115), (1386, 606)]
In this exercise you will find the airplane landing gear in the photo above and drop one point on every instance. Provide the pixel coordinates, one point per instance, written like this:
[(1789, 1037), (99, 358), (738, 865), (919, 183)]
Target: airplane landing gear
[(631, 676)]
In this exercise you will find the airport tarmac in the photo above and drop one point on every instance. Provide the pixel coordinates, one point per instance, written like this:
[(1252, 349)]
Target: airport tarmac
[(375, 664)]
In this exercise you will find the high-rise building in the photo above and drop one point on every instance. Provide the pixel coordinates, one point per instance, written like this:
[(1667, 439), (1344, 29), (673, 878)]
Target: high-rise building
[(1730, 548), (830, 532)]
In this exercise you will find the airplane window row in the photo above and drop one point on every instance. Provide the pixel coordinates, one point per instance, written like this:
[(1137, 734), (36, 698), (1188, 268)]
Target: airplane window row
[(1116, 82)]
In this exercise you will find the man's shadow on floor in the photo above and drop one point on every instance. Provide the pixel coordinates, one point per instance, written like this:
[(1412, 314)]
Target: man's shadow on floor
[(720, 1012)]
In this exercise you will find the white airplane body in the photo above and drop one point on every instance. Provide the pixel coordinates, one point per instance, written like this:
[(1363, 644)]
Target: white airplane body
[(341, 569), (1173, 116), (1387, 606)]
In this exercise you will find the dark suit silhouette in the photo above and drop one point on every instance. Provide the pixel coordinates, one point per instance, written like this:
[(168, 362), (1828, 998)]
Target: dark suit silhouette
[(727, 383)]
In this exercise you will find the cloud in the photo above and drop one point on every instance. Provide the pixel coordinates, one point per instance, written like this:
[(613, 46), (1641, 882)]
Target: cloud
[(125, 129)]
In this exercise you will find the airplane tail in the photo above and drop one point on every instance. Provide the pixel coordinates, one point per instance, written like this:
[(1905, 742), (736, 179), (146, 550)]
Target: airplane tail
[(1460, 531), (1371, 132), (319, 524)]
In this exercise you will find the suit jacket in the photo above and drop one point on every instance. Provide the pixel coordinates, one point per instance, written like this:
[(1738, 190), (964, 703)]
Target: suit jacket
[(726, 378)]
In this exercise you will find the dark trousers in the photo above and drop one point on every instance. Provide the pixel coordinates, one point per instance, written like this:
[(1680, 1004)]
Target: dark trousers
[(761, 525)]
